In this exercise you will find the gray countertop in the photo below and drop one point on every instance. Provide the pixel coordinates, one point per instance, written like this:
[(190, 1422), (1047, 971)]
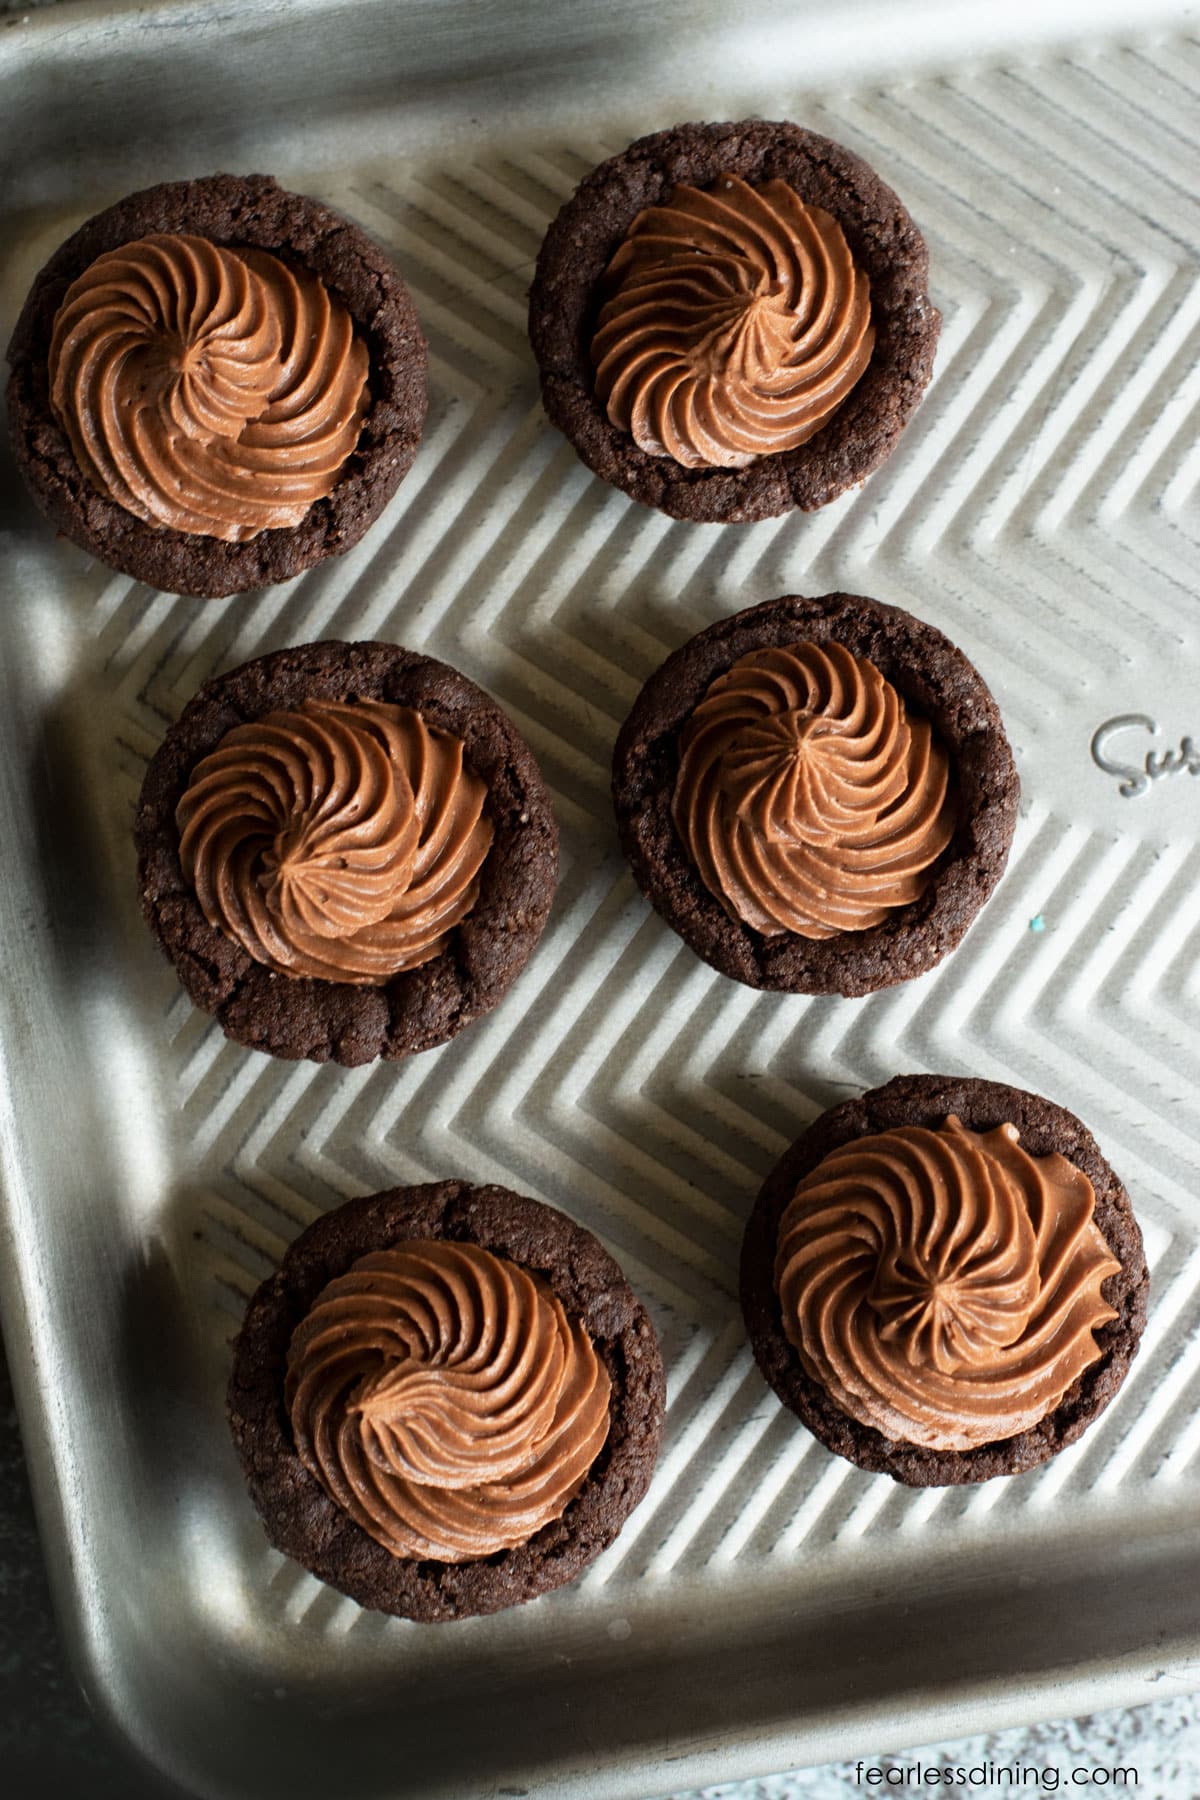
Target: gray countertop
[(49, 1742)]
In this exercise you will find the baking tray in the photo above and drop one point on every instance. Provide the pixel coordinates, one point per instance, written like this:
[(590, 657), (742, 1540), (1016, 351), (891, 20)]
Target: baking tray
[(768, 1604)]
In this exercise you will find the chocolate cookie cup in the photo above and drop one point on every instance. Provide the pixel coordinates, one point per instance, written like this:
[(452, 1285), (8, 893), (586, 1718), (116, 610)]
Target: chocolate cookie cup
[(324, 257), (853, 206), (485, 948), (302, 1519), (1118, 1300), (939, 689)]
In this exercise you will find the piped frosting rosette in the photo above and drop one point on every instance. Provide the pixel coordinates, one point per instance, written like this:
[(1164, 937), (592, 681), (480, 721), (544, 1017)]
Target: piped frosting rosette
[(943, 1286), (807, 797), (442, 1398), (735, 323), (206, 389), (336, 840)]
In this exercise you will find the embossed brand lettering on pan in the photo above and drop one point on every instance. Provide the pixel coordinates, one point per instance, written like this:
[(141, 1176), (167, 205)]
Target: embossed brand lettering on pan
[(1135, 778)]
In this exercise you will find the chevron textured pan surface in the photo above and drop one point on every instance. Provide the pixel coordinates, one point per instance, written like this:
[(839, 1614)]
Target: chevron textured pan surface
[(1041, 510)]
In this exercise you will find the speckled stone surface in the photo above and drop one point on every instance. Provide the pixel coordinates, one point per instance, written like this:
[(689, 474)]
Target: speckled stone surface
[(49, 1742), (1161, 1741)]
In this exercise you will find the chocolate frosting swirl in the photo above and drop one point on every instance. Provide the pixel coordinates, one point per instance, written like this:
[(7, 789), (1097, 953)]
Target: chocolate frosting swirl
[(337, 840), (806, 796), (205, 389), (943, 1286), (735, 324), (443, 1399)]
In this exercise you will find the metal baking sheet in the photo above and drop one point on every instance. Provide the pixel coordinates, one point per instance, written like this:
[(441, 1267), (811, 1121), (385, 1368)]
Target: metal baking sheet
[(768, 1604)]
